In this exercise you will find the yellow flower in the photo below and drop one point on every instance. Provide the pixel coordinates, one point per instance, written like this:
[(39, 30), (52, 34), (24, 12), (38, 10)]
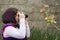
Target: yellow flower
[(46, 18), (52, 16), (55, 22)]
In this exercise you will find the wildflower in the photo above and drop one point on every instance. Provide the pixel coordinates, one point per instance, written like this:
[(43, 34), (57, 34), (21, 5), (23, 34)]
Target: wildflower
[(43, 9), (48, 24), (52, 16), (46, 18), (55, 22)]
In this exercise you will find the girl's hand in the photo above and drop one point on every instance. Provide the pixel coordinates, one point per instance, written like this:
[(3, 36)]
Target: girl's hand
[(22, 15)]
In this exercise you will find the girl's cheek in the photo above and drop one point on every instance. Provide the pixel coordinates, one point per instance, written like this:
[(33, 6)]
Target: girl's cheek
[(16, 18)]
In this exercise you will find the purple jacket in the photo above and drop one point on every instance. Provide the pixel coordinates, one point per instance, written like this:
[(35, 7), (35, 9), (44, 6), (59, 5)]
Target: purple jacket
[(9, 38)]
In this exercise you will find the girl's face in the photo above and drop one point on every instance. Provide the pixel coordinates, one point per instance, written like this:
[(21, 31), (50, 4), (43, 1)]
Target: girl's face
[(17, 17)]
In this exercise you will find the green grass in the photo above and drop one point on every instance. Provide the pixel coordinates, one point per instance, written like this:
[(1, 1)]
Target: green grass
[(1, 25), (0, 37), (39, 34)]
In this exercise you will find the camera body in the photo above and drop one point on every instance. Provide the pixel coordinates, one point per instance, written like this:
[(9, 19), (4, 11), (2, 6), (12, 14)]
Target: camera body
[(26, 16)]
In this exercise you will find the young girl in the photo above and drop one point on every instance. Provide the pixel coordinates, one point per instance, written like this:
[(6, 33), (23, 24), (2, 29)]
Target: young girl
[(10, 31)]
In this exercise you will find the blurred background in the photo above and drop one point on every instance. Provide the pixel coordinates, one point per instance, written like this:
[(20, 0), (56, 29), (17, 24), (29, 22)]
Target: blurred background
[(36, 19)]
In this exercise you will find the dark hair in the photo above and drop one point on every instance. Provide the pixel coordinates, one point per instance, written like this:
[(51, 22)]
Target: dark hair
[(9, 15), (26, 16)]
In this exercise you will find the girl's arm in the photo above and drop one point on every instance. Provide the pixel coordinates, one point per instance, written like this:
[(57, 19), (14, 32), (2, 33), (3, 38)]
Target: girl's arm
[(27, 30), (16, 33)]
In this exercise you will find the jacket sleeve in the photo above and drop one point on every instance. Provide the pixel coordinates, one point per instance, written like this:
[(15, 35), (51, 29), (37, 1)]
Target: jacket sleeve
[(27, 30), (16, 33)]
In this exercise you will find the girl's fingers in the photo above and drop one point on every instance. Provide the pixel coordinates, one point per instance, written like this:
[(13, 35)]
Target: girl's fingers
[(22, 15)]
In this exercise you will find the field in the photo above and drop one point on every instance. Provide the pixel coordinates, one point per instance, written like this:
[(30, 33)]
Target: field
[(40, 34)]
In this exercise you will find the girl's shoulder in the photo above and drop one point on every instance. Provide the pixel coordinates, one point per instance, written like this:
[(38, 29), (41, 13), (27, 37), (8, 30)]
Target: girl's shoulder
[(7, 26)]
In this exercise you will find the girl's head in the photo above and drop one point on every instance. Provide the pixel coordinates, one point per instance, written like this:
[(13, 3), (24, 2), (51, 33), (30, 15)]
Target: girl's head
[(10, 16)]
